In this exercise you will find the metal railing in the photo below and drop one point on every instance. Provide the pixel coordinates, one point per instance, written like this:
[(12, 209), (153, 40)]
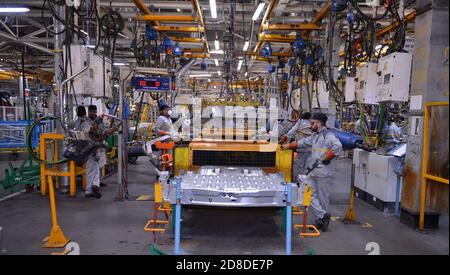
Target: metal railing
[(425, 174)]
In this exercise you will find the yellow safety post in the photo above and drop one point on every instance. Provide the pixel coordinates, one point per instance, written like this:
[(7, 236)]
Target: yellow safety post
[(314, 232), (56, 239), (151, 225), (350, 215)]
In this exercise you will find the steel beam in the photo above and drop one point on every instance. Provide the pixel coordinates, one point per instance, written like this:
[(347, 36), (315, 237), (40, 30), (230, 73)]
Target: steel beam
[(180, 18), (282, 27), (179, 29), (29, 44)]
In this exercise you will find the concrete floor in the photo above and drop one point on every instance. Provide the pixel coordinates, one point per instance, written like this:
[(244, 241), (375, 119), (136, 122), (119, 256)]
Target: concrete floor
[(110, 227)]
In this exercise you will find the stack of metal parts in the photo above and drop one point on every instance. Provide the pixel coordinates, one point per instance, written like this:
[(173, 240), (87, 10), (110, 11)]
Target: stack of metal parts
[(232, 187)]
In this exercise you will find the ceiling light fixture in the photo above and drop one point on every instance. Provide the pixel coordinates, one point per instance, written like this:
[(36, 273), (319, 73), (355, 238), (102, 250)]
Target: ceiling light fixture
[(246, 44), (13, 9), (213, 7), (258, 11)]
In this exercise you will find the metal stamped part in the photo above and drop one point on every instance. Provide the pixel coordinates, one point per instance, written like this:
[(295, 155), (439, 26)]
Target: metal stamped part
[(234, 187)]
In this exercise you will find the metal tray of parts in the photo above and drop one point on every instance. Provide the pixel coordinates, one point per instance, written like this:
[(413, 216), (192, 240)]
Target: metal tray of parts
[(232, 187)]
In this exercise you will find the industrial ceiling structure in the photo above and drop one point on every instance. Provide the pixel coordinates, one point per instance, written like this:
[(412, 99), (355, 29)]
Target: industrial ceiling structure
[(190, 23)]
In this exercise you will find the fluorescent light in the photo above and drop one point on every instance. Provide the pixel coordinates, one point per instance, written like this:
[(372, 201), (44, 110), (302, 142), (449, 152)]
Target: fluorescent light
[(240, 64), (90, 46), (217, 52), (13, 9), (378, 47), (199, 75), (246, 44), (209, 79), (219, 73), (213, 7), (84, 32), (215, 87), (178, 10), (216, 62), (216, 44), (246, 74), (258, 11), (119, 64)]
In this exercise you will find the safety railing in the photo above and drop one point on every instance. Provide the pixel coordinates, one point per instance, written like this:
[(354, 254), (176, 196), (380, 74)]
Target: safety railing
[(425, 175), (11, 113)]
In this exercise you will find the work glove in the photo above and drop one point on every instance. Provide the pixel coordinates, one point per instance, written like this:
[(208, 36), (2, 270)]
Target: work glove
[(283, 139), (328, 157), (293, 145)]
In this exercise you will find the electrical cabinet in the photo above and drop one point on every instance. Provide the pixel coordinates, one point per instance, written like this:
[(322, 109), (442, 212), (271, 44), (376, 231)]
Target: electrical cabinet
[(381, 177), (96, 80), (102, 72), (350, 95), (394, 77), (360, 160), (366, 83), (76, 59)]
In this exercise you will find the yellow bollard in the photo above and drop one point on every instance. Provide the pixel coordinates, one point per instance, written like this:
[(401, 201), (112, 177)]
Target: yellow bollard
[(56, 238)]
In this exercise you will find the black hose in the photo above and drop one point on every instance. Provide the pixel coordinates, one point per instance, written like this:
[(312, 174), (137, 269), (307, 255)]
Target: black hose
[(30, 143)]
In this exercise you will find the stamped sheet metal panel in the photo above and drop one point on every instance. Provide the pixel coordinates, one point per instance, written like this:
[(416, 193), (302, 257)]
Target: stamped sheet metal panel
[(232, 187)]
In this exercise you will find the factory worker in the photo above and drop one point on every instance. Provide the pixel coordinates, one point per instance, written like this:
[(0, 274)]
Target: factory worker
[(82, 121), (300, 130), (392, 132), (97, 133), (325, 147), (163, 125), (92, 163), (288, 124)]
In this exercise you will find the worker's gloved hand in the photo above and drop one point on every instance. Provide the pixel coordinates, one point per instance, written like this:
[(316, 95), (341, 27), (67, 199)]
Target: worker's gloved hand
[(293, 145), (328, 157), (283, 139)]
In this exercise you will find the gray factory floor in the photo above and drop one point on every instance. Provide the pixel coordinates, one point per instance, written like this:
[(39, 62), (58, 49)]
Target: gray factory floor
[(106, 226)]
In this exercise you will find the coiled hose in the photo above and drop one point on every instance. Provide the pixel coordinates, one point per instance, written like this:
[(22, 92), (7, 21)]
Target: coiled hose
[(30, 144)]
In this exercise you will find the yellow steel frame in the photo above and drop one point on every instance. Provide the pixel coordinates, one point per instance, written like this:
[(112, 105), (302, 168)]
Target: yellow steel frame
[(425, 174), (281, 27), (56, 238), (186, 39), (180, 29), (55, 170), (180, 18)]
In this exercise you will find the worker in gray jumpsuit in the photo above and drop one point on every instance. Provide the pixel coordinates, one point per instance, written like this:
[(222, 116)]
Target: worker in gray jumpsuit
[(392, 133), (82, 122), (300, 130), (83, 126), (163, 125), (92, 163), (325, 146)]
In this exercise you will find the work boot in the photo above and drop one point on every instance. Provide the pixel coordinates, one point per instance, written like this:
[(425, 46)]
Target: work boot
[(326, 222), (319, 224), (103, 184), (96, 192)]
